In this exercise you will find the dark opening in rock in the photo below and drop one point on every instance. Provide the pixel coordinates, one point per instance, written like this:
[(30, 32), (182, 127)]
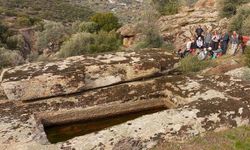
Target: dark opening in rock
[(63, 132)]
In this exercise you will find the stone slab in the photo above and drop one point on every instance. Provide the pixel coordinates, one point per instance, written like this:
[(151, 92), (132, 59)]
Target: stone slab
[(80, 73)]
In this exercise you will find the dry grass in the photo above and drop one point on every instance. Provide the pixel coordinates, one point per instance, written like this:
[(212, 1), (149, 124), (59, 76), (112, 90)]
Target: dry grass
[(233, 139)]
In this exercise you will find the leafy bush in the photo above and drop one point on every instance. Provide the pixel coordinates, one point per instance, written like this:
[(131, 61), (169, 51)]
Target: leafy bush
[(167, 7), (229, 7), (247, 56), (82, 43), (152, 39), (228, 10), (24, 21), (10, 13), (106, 41), (33, 56), (15, 42), (78, 44), (90, 27), (191, 64), (10, 58), (4, 33), (105, 21), (53, 33), (237, 21), (246, 26)]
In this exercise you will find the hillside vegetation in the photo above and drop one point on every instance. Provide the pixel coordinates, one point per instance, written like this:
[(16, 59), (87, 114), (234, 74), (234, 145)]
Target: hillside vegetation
[(45, 29), (56, 10)]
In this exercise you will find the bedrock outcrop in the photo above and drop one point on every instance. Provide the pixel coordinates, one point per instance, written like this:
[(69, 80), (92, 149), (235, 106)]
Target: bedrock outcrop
[(181, 27), (80, 73), (205, 103)]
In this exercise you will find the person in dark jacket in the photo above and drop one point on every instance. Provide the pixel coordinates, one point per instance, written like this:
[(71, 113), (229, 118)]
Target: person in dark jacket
[(224, 42), (199, 32)]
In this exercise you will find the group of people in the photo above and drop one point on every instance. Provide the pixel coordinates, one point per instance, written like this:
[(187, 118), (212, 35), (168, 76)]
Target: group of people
[(213, 45)]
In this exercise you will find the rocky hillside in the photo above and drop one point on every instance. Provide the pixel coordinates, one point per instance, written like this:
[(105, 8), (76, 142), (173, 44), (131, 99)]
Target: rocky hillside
[(127, 10), (181, 27)]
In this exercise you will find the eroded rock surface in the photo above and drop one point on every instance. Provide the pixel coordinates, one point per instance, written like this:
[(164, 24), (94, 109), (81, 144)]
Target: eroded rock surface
[(205, 104), (75, 74), (181, 27)]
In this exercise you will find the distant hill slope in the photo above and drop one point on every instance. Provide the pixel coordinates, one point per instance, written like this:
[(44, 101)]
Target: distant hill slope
[(126, 10), (57, 10)]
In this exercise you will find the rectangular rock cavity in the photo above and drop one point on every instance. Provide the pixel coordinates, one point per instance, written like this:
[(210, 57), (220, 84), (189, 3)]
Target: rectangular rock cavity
[(65, 131), (61, 125)]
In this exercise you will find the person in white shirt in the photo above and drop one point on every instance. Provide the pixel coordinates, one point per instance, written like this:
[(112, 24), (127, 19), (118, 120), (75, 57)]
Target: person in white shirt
[(215, 40), (199, 43)]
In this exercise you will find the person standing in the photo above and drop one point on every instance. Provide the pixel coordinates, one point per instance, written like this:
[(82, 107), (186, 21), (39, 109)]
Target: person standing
[(199, 31), (208, 39), (234, 41), (245, 39), (215, 40), (224, 42)]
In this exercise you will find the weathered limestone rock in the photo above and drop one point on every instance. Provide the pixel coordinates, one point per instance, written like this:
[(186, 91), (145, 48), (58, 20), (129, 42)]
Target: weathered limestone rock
[(75, 74), (215, 102), (130, 35), (33, 81), (170, 125), (241, 73)]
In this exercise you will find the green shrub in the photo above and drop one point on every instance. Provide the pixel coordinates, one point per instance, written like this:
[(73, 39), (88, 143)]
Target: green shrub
[(10, 58), (191, 64), (152, 39), (53, 33), (82, 43), (2, 10), (167, 7), (90, 27), (246, 26), (106, 41), (4, 33), (237, 21), (105, 21), (24, 21), (10, 13), (229, 7), (78, 44), (247, 56), (33, 56), (228, 10), (15, 42)]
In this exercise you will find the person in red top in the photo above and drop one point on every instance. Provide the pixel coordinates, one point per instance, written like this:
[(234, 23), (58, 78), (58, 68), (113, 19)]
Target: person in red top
[(245, 39)]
